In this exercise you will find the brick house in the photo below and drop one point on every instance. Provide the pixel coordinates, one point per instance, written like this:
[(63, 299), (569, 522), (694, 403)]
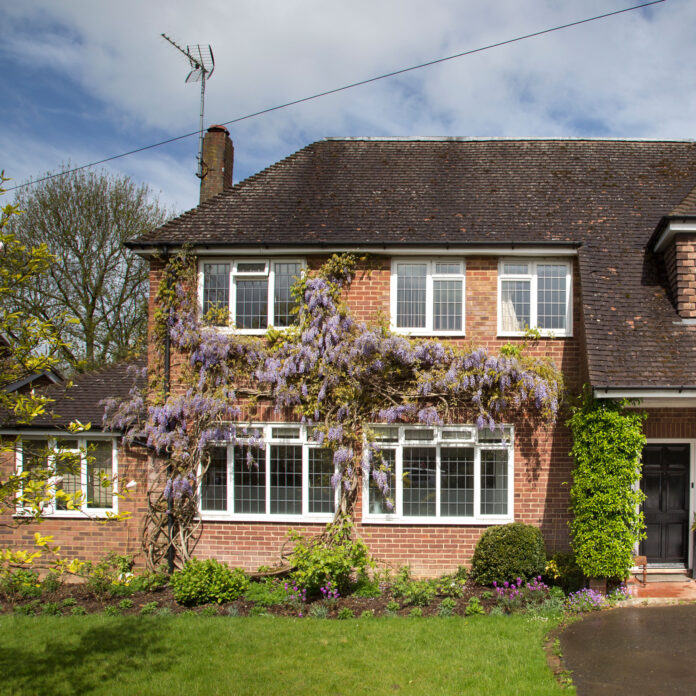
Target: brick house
[(469, 240)]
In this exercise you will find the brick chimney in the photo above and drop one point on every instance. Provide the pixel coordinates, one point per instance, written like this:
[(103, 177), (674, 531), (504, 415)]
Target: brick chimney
[(218, 157)]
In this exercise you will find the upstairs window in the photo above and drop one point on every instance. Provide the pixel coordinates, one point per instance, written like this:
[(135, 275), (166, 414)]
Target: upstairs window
[(248, 294), (427, 296), (534, 294)]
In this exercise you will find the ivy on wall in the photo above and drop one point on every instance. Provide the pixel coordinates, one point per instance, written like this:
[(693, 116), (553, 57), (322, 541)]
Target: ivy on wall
[(605, 496)]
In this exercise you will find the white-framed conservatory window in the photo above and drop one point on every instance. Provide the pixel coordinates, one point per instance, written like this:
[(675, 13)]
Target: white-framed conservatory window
[(86, 465), (452, 474), (534, 294), (428, 296), (249, 295), (287, 478)]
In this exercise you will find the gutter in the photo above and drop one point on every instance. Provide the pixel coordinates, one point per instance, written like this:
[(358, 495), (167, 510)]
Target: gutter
[(473, 248)]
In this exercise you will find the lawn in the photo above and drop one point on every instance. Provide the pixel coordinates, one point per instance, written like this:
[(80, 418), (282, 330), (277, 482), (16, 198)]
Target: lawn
[(190, 654)]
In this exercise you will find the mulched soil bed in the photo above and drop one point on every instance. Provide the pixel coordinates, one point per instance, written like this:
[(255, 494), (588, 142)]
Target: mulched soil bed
[(84, 597)]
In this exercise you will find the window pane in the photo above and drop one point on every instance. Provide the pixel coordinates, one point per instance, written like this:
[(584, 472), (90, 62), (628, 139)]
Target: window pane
[(376, 500), (68, 464), (321, 469), (251, 266), (99, 471), (283, 302), (418, 434), (216, 288), (494, 486), (516, 269), (249, 480), (214, 483), (286, 479), (457, 482), (34, 458), (515, 305), (448, 268), (410, 295), (447, 305), (419, 481), (551, 296), (252, 304)]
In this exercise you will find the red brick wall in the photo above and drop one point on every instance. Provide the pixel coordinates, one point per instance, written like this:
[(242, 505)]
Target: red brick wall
[(542, 465), (680, 261)]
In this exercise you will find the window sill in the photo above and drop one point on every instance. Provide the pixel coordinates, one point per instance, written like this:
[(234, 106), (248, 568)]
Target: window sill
[(87, 515), (424, 332), (439, 521), (282, 519), (542, 334)]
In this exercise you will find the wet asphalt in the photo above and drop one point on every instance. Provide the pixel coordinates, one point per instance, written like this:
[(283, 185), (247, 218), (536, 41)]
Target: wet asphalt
[(636, 650)]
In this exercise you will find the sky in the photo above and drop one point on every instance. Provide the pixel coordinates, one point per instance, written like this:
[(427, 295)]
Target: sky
[(83, 80)]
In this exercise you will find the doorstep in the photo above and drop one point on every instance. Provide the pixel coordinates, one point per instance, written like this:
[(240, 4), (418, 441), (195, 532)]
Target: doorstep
[(661, 588)]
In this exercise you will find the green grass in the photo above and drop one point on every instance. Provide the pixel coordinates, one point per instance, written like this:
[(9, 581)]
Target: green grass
[(238, 656)]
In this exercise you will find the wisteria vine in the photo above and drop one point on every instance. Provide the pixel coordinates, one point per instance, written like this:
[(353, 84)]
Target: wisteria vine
[(334, 374)]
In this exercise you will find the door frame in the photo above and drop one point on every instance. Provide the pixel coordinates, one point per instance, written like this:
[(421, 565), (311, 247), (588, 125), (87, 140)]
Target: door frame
[(692, 492)]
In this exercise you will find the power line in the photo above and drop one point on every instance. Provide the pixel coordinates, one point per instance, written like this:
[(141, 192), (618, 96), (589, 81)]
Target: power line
[(344, 88)]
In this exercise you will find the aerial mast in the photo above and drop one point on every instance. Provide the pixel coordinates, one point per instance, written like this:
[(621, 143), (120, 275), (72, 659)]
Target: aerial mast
[(202, 64)]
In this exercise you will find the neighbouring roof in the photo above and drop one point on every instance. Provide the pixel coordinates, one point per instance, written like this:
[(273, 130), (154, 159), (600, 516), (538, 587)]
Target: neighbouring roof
[(82, 401), (608, 196)]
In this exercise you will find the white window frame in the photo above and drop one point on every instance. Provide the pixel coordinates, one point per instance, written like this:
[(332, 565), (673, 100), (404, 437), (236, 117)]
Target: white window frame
[(268, 272), (532, 277), (83, 510), (431, 275), (469, 436), (265, 432)]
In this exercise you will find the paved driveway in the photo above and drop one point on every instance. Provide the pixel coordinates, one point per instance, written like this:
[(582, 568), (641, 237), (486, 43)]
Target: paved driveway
[(636, 651)]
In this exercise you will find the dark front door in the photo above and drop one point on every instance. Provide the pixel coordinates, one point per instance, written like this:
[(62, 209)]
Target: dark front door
[(665, 483)]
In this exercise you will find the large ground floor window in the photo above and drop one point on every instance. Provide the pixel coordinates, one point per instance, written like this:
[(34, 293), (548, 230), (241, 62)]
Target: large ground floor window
[(287, 477), (448, 475)]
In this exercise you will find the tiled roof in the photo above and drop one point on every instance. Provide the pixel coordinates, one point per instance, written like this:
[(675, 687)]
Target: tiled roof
[(82, 401), (607, 195)]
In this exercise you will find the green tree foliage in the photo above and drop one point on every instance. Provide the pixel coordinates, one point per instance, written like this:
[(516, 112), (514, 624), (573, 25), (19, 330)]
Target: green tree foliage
[(605, 498), (29, 345), (93, 290)]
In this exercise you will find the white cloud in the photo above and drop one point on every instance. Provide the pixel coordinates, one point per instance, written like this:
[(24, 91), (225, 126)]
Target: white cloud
[(626, 76)]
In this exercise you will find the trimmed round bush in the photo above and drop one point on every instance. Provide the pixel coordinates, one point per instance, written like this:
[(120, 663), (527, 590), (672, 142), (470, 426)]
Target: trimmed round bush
[(204, 582), (508, 552)]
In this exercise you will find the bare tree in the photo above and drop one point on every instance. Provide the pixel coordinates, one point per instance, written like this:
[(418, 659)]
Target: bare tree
[(83, 218)]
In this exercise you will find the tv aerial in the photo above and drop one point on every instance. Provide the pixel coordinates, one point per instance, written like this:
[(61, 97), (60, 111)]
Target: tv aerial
[(202, 64)]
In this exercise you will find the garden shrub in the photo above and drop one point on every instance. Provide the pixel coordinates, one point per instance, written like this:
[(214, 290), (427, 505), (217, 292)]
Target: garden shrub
[(447, 607), (508, 552), (203, 582), (413, 592), (474, 608), (266, 593), (339, 559), (20, 584), (562, 570), (149, 582), (605, 498)]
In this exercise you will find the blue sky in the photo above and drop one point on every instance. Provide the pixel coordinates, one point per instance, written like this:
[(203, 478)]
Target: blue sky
[(84, 79)]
